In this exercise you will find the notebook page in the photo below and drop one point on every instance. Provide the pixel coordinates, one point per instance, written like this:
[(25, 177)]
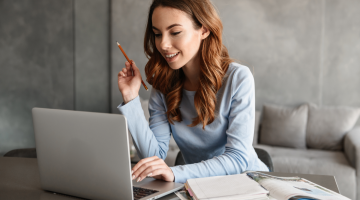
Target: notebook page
[(222, 186), (284, 190)]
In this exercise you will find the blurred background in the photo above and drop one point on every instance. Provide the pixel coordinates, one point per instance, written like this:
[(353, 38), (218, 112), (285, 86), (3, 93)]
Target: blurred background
[(63, 54)]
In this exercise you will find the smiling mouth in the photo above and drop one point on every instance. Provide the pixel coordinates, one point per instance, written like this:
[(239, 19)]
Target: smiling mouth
[(172, 55)]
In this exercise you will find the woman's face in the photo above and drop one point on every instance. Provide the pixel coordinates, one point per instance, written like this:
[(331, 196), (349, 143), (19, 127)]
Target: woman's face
[(175, 37)]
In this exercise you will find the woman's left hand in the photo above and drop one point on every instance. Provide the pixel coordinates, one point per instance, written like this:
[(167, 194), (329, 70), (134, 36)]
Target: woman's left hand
[(153, 167)]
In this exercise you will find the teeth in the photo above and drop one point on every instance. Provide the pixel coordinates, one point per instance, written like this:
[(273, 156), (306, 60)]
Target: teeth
[(172, 55)]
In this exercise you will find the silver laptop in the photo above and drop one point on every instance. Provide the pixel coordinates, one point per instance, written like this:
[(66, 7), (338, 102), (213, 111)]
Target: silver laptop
[(86, 154)]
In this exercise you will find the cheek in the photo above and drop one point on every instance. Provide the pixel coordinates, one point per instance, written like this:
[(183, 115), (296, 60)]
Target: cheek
[(190, 45)]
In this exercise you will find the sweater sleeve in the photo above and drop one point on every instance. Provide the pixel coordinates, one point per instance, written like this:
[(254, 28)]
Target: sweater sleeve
[(239, 153), (149, 140)]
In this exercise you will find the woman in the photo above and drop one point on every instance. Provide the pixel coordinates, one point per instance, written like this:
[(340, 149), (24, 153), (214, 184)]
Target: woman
[(199, 95)]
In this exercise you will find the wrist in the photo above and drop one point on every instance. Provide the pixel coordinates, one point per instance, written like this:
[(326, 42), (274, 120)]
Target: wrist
[(172, 174), (129, 97)]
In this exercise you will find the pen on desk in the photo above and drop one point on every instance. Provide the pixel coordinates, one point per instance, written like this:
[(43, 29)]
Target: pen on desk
[(127, 58)]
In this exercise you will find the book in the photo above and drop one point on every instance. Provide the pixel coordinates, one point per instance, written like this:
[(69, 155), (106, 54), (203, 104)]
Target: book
[(255, 186)]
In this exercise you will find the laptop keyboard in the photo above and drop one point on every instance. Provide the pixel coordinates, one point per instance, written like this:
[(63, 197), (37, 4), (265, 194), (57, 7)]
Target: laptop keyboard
[(139, 193)]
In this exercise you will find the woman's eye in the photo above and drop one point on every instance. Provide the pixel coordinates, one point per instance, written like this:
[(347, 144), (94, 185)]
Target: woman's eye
[(159, 35)]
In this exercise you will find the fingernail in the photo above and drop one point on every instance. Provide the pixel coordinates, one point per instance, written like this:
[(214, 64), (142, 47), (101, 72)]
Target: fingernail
[(132, 172), (124, 75), (133, 177), (149, 174), (138, 179)]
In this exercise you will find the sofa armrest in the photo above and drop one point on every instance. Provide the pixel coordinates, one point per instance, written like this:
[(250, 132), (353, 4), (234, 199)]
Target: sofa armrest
[(352, 152), (352, 147)]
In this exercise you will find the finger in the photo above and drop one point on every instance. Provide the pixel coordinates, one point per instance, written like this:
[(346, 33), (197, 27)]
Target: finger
[(140, 167), (136, 70), (124, 71), (150, 171), (144, 166), (143, 161), (128, 68), (157, 172), (121, 74), (127, 64)]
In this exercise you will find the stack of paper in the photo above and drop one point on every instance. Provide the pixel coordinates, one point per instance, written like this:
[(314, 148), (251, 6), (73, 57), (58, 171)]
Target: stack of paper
[(239, 187)]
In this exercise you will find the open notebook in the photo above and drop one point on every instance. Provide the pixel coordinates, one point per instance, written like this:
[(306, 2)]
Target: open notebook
[(256, 186), (239, 186)]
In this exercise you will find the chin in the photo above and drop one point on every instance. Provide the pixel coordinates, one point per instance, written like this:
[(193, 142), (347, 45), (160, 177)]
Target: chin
[(175, 66)]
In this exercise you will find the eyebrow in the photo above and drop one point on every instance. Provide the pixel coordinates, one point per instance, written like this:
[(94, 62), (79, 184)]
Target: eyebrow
[(169, 27)]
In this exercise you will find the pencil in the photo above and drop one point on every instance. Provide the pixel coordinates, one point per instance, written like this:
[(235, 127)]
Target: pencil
[(127, 58)]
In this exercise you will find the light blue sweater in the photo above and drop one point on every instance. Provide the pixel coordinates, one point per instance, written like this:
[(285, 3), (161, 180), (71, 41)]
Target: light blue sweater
[(223, 148)]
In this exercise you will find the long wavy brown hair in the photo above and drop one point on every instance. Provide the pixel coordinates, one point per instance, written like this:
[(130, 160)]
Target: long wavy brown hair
[(213, 65)]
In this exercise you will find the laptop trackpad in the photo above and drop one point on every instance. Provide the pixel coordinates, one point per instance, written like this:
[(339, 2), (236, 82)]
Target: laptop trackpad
[(154, 184)]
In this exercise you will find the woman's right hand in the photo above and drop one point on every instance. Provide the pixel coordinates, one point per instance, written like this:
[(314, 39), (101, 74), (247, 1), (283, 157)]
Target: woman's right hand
[(129, 81)]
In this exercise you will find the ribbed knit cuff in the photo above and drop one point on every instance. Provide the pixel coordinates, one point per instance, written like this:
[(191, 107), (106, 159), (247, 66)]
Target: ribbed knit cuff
[(125, 108), (179, 178)]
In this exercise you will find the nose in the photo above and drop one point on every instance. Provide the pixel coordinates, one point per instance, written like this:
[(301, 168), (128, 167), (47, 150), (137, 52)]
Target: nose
[(165, 43)]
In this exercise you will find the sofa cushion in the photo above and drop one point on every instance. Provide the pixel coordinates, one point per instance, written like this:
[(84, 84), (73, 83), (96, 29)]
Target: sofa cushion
[(284, 126), (313, 161), (327, 126)]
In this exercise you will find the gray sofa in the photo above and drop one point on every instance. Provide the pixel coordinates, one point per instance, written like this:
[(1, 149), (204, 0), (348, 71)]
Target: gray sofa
[(295, 152), (341, 158)]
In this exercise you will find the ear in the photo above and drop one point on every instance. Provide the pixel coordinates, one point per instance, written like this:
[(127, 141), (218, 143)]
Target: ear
[(204, 32)]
